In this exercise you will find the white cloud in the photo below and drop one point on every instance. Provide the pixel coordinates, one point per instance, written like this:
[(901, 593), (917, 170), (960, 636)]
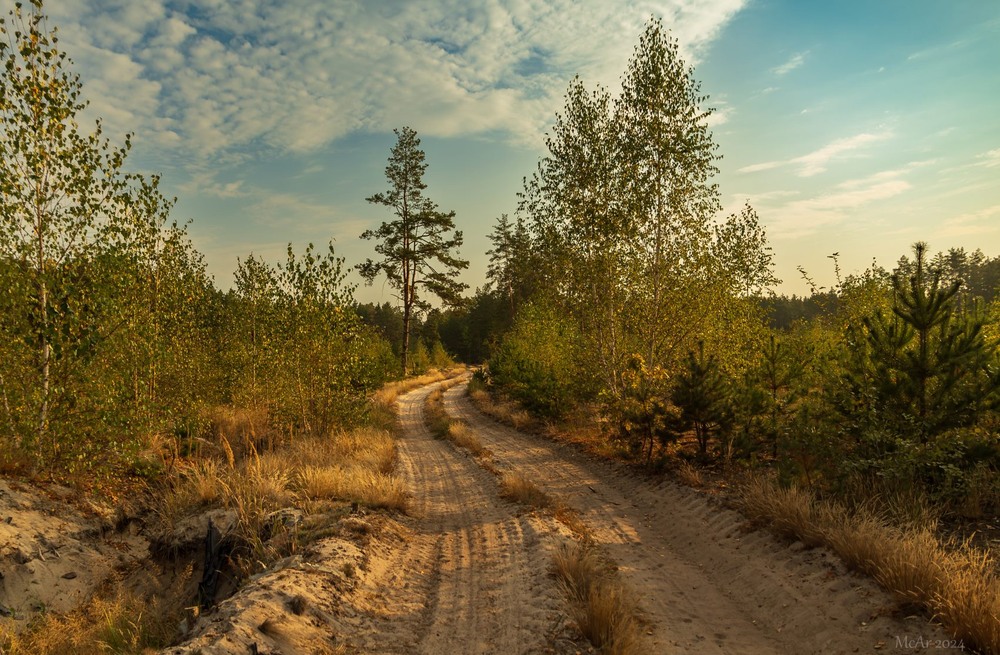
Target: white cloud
[(214, 76), (817, 161), (978, 222), (763, 166), (990, 159), (794, 62), (845, 201)]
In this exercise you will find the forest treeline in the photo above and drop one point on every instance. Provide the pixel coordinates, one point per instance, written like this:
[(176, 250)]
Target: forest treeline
[(114, 340), (616, 292)]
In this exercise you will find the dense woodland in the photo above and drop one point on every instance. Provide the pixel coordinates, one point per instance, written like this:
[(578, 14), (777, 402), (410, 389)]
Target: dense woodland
[(615, 290)]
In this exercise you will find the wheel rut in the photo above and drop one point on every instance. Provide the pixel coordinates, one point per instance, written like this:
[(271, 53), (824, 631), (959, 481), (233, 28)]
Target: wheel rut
[(472, 572)]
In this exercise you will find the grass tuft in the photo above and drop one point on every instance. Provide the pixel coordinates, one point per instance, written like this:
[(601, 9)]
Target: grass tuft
[(515, 486), (600, 605), (689, 475)]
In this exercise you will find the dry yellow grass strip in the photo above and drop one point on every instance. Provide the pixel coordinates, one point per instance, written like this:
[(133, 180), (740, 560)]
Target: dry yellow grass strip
[(354, 484), (504, 411), (354, 466), (443, 426), (459, 434), (600, 606), (387, 395), (956, 583), (119, 623)]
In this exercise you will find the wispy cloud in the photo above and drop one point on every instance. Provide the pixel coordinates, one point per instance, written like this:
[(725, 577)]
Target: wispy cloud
[(802, 217), (990, 159), (978, 222), (794, 62), (295, 76), (817, 161)]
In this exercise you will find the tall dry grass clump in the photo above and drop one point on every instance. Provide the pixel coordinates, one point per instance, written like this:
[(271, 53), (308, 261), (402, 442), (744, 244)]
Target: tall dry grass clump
[(956, 583), (601, 607), (355, 466), (242, 430), (458, 433)]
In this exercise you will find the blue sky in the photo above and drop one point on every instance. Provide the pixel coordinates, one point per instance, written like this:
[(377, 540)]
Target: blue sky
[(852, 127)]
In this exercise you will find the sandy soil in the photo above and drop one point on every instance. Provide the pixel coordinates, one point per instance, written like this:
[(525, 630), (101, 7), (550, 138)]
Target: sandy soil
[(54, 556), (704, 582)]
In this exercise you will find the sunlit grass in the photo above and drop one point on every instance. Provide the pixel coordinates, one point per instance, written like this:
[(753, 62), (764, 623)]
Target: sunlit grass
[(955, 583), (600, 605)]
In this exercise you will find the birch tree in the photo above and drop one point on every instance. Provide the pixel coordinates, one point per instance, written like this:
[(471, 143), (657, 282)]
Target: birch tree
[(60, 188)]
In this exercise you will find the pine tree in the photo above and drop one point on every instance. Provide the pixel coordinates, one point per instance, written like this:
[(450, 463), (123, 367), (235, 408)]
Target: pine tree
[(418, 248), (703, 397), (927, 364)]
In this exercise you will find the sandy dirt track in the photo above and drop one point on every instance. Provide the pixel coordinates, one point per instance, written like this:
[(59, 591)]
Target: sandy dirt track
[(705, 584), (468, 572), (472, 576)]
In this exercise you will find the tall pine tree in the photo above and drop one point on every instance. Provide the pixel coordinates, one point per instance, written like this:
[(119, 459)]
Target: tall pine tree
[(419, 248)]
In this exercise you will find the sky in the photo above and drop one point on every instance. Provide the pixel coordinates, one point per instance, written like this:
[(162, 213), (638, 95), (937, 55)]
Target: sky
[(854, 127)]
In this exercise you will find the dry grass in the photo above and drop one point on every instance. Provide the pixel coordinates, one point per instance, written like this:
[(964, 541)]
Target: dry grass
[(241, 430), (444, 427), (355, 466), (688, 475), (600, 605), (570, 518), (955, 583), (120, 623), (435, 418), (503, 410), (388, 394), (354, 484), (459, 434), (515, 486)]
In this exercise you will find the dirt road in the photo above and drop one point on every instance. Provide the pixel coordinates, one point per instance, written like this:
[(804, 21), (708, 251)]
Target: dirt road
[(468, 572), (472, 576), (704, 584)]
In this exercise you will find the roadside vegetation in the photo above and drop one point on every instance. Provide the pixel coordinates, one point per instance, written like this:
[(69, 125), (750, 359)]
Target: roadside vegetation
[(621, 306), (126, 374)]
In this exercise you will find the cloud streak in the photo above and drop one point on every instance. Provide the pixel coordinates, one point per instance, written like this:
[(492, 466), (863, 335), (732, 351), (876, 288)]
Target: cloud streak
[(818, 161), (800, 218), (794, 62)]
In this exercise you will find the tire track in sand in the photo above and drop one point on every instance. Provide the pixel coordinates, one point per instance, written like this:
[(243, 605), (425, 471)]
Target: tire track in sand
[(703, 584), (472, 573)]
